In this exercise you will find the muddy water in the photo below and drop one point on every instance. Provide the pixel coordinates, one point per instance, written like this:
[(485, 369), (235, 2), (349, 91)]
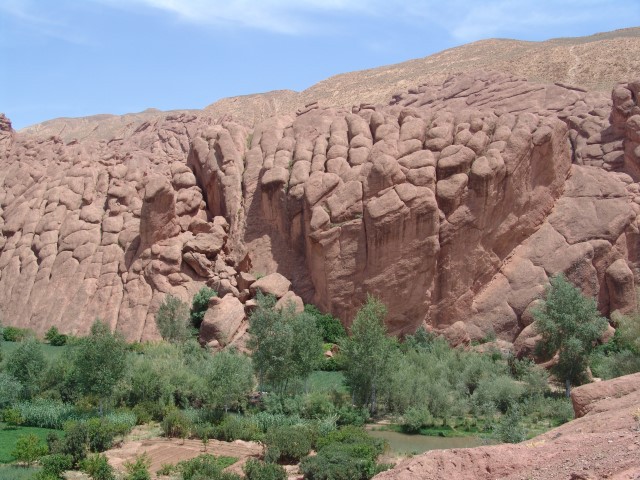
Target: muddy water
[(401, 443)]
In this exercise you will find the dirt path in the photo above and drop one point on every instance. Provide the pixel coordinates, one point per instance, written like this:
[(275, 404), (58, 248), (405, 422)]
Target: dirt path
[(572, 72), (163, 450)]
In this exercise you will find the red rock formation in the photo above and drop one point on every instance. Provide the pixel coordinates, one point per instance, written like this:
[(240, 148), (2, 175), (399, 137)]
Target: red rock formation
[(453, 203)]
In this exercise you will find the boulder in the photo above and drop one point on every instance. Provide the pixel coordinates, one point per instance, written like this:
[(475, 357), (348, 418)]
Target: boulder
[(222, 320), (289, 299), (273, 284)]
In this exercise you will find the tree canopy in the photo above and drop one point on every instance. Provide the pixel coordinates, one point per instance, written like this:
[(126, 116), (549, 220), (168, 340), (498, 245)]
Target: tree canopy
[(569, 324)]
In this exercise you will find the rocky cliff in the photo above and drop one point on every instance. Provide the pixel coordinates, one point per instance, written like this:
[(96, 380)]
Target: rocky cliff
[(453, 202)]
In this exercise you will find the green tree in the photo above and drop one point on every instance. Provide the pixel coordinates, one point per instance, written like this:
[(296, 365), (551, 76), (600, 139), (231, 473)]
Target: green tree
[(285, 345), (100, 362), (229, 380), (367, 354), (27, 364), (98, 468), (330, 327), (172, 320), (569, 324), (10, 390), (200, 304), (28, 449)]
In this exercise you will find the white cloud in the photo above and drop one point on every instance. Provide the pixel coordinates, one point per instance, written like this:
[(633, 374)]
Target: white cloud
[(281, 16), (472, 20)]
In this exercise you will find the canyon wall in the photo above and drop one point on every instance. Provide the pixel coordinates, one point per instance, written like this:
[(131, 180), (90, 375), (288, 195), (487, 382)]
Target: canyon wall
[(452, 202)]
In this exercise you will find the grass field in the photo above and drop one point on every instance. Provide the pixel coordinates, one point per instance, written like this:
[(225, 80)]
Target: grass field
[(11, 472), (50, 352), (8, 439)]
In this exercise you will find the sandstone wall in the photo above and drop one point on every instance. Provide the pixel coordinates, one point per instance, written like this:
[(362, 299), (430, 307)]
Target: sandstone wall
[(453, 203)]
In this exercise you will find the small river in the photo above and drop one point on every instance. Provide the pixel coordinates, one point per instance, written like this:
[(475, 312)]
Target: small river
[(401, 443)]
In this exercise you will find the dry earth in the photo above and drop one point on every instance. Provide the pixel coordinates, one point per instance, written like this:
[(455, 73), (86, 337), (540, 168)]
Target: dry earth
[(171, 451)]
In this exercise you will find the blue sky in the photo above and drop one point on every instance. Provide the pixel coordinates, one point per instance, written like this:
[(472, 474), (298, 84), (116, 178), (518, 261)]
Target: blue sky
[(62, 58)]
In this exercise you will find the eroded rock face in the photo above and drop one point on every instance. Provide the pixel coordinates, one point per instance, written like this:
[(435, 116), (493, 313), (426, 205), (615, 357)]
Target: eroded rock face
[(453, 204)]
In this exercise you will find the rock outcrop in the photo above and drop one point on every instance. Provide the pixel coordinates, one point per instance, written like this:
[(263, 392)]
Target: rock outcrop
[(453, 203), (602, 443)]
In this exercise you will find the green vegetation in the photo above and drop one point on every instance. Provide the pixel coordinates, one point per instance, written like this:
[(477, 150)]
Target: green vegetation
[(172, 320), (9, 439), (200, 304), (286, 346), (570, 324), (71, 402)]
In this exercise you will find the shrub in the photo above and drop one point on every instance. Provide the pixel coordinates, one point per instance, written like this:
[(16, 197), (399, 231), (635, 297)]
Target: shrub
[(257, 470), (205, 467), (345, 454), (335, 464), (349, 415), (172, 320), (15, 334), (12, 417), (330, 327), (75, 442), (176, 424), (501, 391), (10, 390), (288, 443), (55, 464), (55, 338), (98, 468), (26, 364), (28, 449), (200, 304), (354, 439), (234, 427), (101, 433), (416, 418), (510, 429), (138, 469)]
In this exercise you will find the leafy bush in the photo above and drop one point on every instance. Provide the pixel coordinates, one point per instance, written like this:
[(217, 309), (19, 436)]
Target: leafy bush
[(266, 421), (501, 392), (510, 429), (416, 418), (138, 469), (12, 417), (75, 442), (331, 328), (176, 424), (55, 338), (288, 443), (10, 390), (200, 304), (26, 364), (172, 320), (257, 470), (15, 334), (55, 464), (235, 427), (28, 449), (349, 415), (98, 468), (205, 467), (335, 464), (101, 433), (346, 454)]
